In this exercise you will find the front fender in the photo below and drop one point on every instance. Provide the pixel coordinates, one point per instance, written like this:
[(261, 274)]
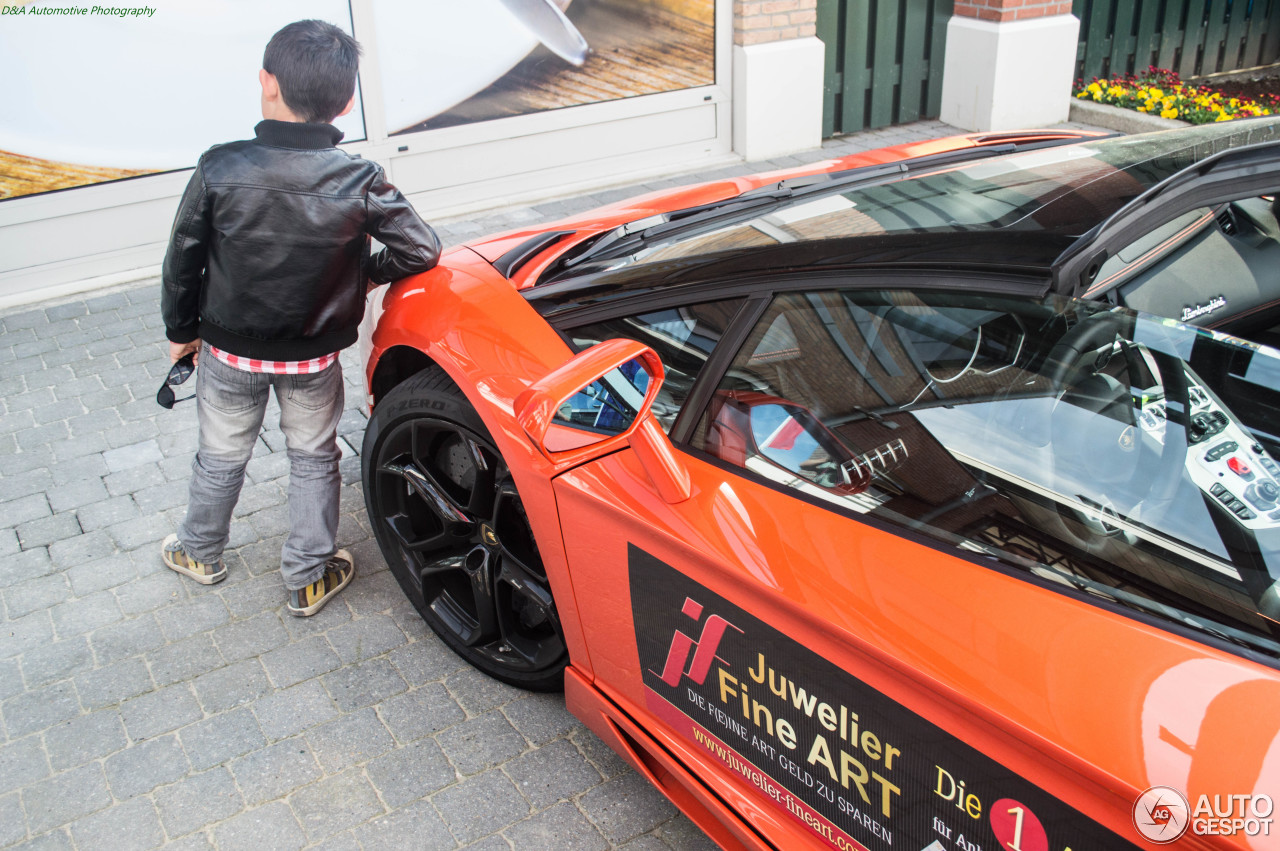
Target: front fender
[(478, 329)]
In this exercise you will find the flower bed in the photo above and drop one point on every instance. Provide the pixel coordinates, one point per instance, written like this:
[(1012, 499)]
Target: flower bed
[(1161, 92)]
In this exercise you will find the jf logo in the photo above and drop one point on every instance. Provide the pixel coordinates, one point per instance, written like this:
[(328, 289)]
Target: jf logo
[(707, 645)]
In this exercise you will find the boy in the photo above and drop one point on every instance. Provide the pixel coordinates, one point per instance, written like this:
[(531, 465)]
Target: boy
[(268, 265)]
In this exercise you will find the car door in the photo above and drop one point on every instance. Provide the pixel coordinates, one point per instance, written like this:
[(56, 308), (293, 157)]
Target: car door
[(934, 579)]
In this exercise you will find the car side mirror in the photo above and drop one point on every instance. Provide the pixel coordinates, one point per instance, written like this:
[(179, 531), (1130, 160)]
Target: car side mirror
[(597, 402)]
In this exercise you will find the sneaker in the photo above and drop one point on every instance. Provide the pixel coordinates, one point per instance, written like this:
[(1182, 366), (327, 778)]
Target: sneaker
[(337, 573), (176, 558)]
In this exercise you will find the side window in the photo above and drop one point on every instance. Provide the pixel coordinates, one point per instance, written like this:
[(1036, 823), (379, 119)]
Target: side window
[(682, 336), (1073, 441)]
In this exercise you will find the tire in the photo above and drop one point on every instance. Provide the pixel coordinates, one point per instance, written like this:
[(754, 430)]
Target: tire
[(451, 525)]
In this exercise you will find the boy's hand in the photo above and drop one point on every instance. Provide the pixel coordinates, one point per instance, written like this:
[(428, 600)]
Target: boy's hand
[(177, 351)]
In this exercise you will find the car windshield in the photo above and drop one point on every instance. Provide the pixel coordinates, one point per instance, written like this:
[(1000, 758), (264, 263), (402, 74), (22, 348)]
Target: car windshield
[(1126, 457), (1063, 190)]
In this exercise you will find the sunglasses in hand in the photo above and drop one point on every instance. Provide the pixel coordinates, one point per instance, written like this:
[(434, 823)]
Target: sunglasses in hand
[(178, 373)]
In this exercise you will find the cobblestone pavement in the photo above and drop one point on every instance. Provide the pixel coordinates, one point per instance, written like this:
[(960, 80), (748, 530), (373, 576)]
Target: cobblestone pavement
[(138, 708)]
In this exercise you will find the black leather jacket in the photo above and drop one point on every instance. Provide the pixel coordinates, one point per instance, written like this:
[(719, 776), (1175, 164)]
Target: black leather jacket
[(269, 256)]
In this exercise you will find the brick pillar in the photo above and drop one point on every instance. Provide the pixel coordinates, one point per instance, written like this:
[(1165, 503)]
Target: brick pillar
[(1009, 64), (777, 77)]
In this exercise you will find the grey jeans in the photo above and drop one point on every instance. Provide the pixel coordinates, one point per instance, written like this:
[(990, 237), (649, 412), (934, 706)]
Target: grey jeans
[(231, 404)]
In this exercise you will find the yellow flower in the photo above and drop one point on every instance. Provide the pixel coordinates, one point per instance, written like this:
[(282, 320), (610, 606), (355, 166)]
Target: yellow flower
[(1094, 88), (1157, 93), (1169, 113)]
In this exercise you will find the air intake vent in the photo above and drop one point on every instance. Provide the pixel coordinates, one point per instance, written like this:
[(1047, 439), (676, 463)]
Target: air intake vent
[(1227, 222)]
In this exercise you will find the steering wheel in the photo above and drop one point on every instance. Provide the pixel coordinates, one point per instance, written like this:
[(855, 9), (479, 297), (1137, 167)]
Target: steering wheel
[(1066, 363), (1086, 395)]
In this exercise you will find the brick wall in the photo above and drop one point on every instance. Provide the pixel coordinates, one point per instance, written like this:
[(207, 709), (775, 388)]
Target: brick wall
[(760, 21), (1011, 10)]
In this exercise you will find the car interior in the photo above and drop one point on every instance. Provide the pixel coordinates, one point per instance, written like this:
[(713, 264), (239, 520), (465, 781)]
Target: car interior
[(1205, 266)]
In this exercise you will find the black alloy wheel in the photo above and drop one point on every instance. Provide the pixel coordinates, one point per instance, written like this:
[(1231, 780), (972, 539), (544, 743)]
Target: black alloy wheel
[(452, 527)]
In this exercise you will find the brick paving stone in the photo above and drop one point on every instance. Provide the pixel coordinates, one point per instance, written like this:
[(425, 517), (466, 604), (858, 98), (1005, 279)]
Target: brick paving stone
[(182, 661), (85, 614), (373, 592), (149, 593), (125, 457), (197, 801), (480, 805), (107, 512), (159, 712), (183, 620), (18, 511), (363, 684), (552, 773), (21, 462), (99, 575), (78, 550), (417, 826), (48, 530), (289, 711), (126, 638), (275, 771), (90, 464), (109, 685), (39, 709), (19, 635), (271, 826), (301, 660), (335, 804), (56, 661), (601, 755), (13, 825), (562, 827), (231, 686), (82, 452), (222, 738), (65, 797), (32, 482), (365, 638), (410, 772), (481, 743), (426, 661), (420, 713), (22, 762), (477, 693), (252, 636), (34, 595), (10, 678), (77, 494), (145, 765), (348, 740), (141, 532), (17, 567), (257, 595), (540, 717), (626, 807), (9, 545)]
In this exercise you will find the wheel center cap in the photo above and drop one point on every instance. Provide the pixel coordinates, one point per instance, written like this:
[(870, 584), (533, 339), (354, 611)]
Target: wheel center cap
[(487, 536)]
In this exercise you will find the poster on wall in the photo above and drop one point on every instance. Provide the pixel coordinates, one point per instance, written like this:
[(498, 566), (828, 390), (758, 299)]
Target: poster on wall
[(96, 93), (444, 63)]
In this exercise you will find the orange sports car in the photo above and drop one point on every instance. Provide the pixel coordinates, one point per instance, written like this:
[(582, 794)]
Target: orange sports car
[(858, 506)]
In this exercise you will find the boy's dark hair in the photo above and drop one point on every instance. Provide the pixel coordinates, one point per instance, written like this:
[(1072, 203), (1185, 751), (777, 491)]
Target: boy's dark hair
[(315, 64)]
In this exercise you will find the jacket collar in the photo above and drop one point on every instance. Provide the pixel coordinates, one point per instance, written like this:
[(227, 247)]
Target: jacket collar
[(287, 134)]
